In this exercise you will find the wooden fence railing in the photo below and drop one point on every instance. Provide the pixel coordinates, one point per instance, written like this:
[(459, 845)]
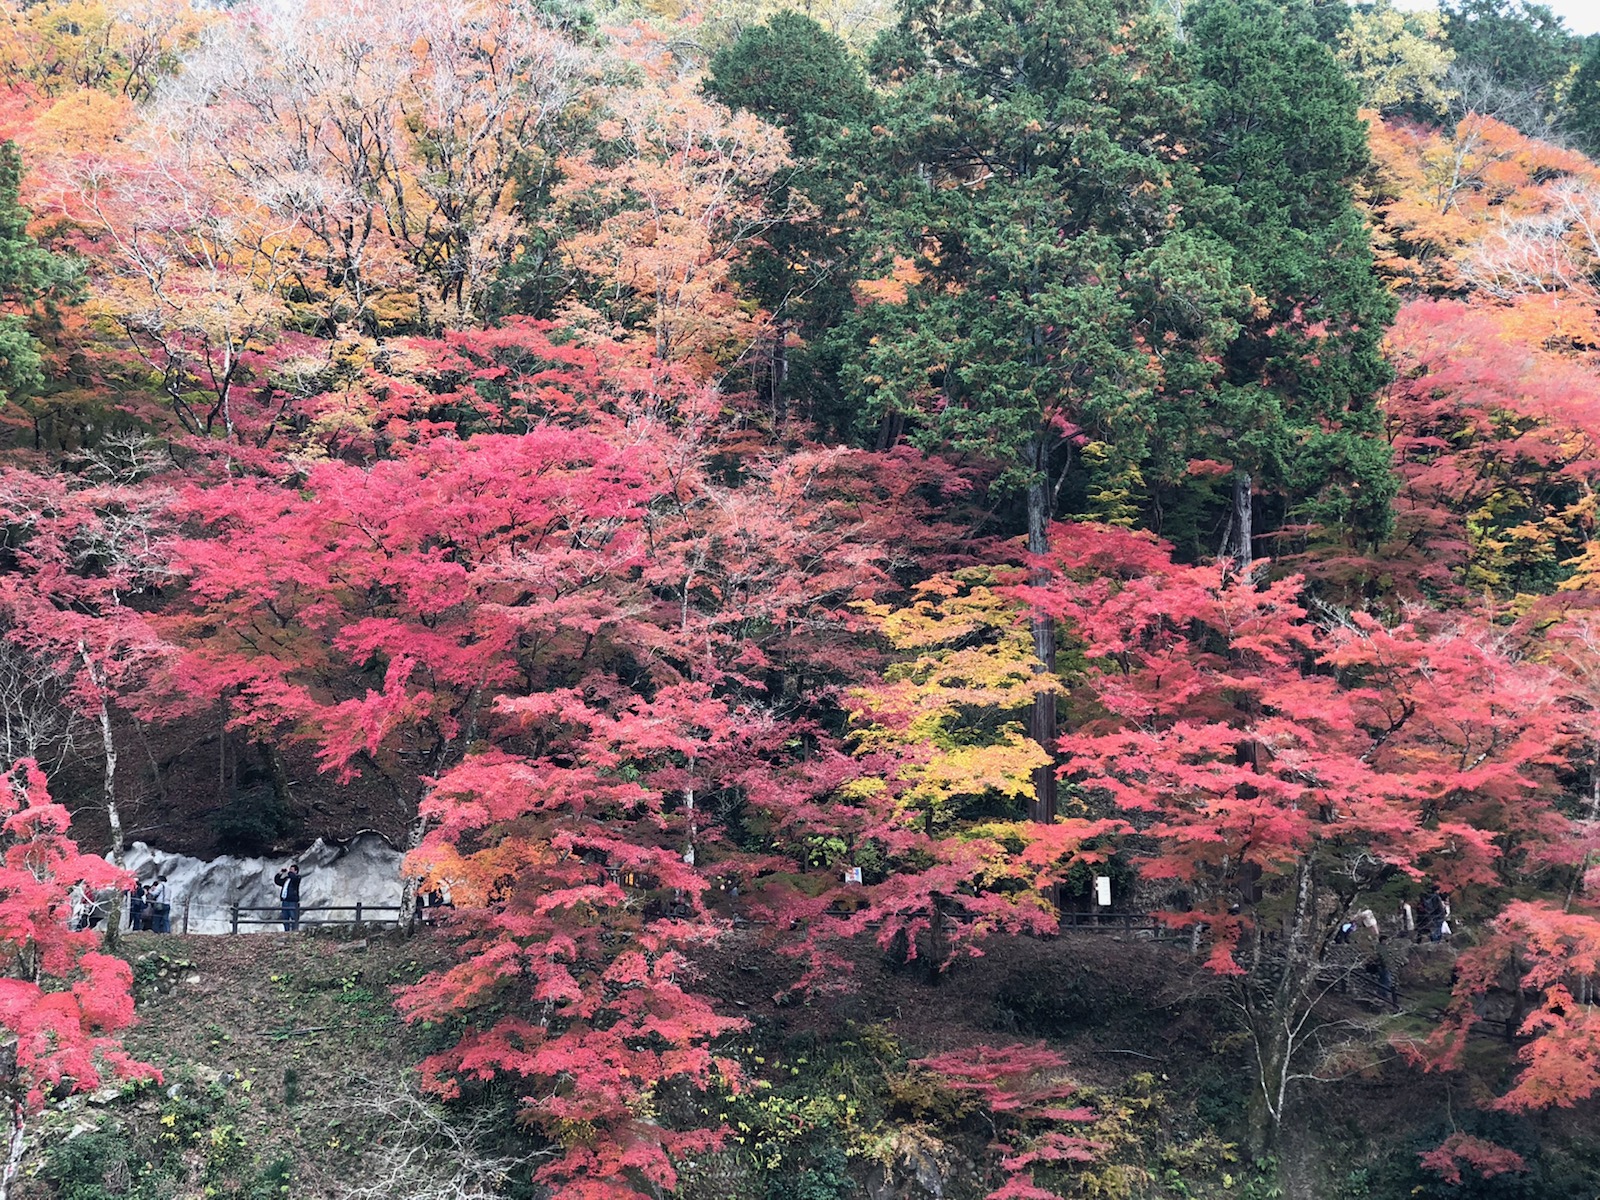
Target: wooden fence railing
[(360, 914), (1124, 922), (186, 915), (1356, 980)]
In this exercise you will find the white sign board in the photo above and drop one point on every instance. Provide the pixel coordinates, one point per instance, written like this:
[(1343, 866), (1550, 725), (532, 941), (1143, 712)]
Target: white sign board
[(1102, 890)]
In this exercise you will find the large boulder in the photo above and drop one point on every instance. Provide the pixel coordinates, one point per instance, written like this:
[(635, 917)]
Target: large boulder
[(334, 877)]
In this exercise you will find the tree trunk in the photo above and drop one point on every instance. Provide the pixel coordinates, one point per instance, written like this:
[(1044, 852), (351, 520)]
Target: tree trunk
[(1278, 1032), (409, 884), (780, 375), (1042, 721), (108, 744), (223, 790), (1243, 531), (938, 941), (113, 817), (1266, 1101), (111, 939), (688, 808), (278, 774), (156, 780), (19, 1126)]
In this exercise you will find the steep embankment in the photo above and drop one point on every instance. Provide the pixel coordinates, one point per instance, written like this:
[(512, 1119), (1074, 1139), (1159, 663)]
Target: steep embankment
[(287, 1072)]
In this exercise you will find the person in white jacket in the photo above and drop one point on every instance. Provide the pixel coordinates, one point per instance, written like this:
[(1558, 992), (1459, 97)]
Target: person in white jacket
[(159, 897)]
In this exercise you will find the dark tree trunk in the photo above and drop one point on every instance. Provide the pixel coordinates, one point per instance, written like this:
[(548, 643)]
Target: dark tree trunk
[(1243, 530), (1042, 721), (278, 773), (1278, 1025), (780, 375), (889, 430)]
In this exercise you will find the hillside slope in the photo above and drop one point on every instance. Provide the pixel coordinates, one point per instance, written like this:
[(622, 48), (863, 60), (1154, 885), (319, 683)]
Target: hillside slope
[(287, 1072)]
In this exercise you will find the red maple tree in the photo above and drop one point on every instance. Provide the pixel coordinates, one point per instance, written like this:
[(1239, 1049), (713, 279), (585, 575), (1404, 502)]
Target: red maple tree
[(1286, 766), (62, 1001)]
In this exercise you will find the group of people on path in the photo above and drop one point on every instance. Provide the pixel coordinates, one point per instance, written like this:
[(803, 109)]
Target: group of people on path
[(1389, 952), (1434, 923), (431, 895), (1435, 915), (88, 908), (150, 906)]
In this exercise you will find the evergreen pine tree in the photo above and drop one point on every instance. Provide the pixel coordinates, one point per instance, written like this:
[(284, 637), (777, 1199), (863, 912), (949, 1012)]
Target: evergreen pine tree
[(27, 271), (1032, 281), (1580, 118)]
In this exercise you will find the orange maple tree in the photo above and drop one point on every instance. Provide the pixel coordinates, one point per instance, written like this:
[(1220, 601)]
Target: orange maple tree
[(661, 205)]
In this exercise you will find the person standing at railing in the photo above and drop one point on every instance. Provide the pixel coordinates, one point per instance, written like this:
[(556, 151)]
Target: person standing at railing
[(159, 905), (288, 882), (76, 898)]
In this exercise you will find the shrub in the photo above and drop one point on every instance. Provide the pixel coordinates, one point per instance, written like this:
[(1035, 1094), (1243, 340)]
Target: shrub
[(251, 822)]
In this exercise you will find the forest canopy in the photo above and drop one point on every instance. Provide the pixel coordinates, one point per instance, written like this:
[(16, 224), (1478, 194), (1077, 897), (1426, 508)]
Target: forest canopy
[(844, 475)]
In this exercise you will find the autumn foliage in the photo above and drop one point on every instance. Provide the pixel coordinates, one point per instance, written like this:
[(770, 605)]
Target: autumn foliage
[(1024, 1091), (380, 390), (63, 1001)]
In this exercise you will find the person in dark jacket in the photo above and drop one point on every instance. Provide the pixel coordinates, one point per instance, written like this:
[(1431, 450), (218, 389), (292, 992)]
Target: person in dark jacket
[(288, 881), (1434, 912), (136, 907), (1391, 956)]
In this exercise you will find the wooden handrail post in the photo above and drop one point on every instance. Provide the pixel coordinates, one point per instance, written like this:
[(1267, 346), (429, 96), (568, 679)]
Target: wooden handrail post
[(235, 916), (358, 912)]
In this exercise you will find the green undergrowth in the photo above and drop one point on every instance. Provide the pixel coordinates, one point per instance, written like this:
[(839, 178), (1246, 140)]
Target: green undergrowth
[(286, 1072), (828, 1113), (828, 1119)]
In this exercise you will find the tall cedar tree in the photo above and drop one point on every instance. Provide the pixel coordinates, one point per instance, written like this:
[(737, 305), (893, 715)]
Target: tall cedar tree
[(794, 73), (1035, 283), (1282, 144), (1580, 117)]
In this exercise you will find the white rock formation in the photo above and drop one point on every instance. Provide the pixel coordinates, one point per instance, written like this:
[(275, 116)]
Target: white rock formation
[(335, 876)]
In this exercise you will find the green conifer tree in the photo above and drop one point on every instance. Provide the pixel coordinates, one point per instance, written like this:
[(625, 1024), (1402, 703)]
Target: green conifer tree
[(27, 271), (1295, 414), (1032, 279), (795, 74), (1580, 119)]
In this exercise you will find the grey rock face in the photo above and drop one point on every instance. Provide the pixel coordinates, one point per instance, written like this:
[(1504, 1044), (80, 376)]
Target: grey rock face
[(335, 876)]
